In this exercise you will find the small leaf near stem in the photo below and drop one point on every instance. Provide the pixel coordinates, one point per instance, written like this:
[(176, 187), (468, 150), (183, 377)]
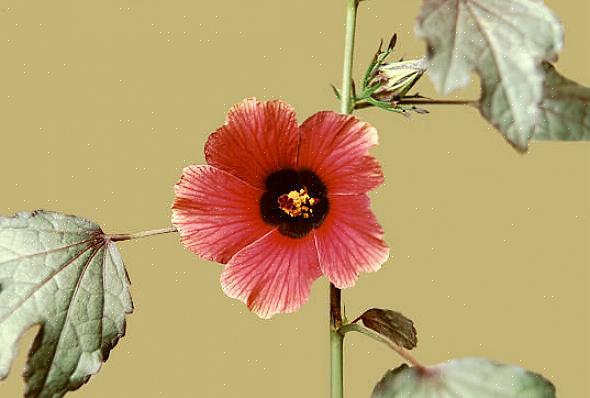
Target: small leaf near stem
[(138, 235), (336, 92), (391, 324)]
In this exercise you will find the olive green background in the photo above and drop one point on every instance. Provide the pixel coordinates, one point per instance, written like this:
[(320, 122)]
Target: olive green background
[(104, 102)]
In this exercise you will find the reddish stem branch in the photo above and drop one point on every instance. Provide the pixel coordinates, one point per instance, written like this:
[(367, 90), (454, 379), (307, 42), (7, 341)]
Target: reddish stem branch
[(335, 307), (143, 234)]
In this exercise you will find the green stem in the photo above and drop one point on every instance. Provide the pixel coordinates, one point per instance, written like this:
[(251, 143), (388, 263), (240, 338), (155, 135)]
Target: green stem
[(346, 107), (336, 360), (346, 104)]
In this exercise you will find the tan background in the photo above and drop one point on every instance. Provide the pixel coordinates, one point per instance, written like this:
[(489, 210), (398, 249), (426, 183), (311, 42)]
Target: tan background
[(104, 102)]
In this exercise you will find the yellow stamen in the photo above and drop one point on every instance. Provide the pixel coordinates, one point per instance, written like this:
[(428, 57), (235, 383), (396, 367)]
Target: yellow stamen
[(297, 203)]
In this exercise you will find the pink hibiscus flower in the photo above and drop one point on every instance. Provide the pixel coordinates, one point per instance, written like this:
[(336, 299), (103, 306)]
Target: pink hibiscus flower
[(281, 204)]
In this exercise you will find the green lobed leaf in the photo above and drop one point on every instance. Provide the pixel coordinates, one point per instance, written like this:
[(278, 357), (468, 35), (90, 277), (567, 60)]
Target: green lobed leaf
[(504, 41), (565, 109), (463, 378), (62, 273)]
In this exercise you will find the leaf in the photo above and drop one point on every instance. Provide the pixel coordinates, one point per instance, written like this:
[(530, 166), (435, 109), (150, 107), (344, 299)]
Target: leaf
[(62, 273), (565, 109), (504, 41), (463, 378), (392, 325)]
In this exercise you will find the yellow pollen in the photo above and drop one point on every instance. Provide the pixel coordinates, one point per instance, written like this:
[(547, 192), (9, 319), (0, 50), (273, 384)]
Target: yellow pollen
[(297, 203)]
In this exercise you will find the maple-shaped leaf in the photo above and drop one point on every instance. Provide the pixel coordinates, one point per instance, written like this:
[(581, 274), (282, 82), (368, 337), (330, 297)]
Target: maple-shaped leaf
[(565, 109), (62, 273), (463, 378), (504, 42)]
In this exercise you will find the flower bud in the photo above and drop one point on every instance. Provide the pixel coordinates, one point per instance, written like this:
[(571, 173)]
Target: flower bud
[(395, 79)]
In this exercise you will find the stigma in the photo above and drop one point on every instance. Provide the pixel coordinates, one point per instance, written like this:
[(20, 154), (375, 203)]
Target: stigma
[(297, 203)]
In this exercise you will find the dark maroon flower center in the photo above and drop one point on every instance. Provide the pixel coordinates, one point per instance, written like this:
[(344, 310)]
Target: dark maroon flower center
[(295, 201)]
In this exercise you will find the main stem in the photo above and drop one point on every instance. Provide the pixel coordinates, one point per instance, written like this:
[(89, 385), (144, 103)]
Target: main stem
[(346, 107), (346, 103), (336, 362), (336, 344)]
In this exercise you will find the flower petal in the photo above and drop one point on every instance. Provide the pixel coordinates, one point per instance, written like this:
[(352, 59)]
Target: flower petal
[(216, 213), (350, 240), (273, 274), (336, 148), (257, 139)]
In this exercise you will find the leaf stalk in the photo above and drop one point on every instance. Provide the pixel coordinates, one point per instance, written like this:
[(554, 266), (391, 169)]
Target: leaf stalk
[(355, 327), (366, 104), (142, 234)]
